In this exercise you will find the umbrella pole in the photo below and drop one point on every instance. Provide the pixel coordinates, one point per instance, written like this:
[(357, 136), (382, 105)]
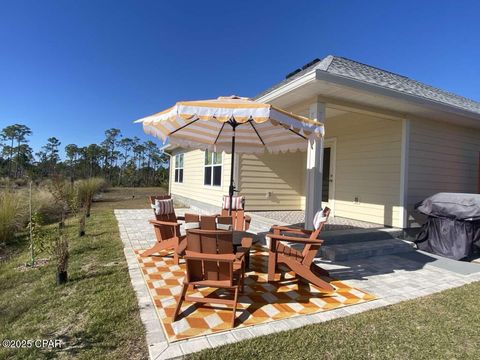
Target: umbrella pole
[(231, 188)]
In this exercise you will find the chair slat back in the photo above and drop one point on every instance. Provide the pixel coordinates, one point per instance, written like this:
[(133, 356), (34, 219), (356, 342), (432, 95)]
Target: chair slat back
[(158, 197), (310, 250), (211, 242), (192, 218), (238, 219), (208, 223), (164, 217)]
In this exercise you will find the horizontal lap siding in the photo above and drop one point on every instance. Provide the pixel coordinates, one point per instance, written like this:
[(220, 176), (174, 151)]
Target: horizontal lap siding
[(442, 158), (192, 186), (281, 174), (368, 158)]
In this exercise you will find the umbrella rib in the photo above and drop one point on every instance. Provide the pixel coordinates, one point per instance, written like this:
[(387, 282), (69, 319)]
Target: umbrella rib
[(216, 139), (184, 126), (256, 132), (295, 132)]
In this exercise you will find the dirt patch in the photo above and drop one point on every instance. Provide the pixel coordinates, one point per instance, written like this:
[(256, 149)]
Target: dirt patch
[(38, 264), (5, 254)]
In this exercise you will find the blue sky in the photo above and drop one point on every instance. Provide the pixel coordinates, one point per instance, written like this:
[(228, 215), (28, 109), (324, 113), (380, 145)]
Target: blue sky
[(72, 69)]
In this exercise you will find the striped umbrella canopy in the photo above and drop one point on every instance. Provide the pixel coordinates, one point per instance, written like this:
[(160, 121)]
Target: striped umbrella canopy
[(232, 124)]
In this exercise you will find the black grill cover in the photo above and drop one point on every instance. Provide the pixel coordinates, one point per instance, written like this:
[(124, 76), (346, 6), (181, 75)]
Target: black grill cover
[(452, 229)]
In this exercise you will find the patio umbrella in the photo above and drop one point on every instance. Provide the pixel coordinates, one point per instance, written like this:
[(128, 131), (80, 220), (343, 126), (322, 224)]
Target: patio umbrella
[(232, 124)]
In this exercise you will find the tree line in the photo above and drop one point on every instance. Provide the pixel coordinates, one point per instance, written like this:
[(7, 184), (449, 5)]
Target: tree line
[(123, 161)]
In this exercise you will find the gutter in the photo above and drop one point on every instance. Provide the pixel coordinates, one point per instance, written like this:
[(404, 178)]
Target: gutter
[(286, 88), (170, 156), (320, 74), (380, 90)]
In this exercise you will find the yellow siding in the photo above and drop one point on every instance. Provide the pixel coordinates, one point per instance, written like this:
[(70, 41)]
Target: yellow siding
[(192, 186), (368, 156), (442, 158), (368, 162), (281, 174)]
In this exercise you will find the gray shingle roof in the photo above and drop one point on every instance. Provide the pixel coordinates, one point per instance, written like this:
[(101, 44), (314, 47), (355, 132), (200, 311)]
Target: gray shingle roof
[(371, 75)]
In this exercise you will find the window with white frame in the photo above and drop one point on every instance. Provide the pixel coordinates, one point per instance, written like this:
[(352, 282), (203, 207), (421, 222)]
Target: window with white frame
[(213, 169), (179, 168)]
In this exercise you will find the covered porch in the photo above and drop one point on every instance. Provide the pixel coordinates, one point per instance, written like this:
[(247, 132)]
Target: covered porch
[(356, 170)]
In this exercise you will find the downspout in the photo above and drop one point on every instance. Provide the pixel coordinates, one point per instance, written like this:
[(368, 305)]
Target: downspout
[(169, 172)]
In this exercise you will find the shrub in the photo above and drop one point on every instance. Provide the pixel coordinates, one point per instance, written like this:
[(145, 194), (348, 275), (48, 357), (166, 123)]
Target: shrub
[(20, 182), (48, 208), (86, 190), (5, 182), (60, 252), (12, 214)]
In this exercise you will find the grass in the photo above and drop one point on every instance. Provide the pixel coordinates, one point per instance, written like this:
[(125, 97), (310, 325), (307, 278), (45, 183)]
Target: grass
[(439, 326), (95, 313), (126, 198), (11, 214), (129, 198)]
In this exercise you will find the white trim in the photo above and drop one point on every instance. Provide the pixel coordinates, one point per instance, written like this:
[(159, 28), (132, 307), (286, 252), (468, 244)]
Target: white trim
[(170, 173), (180, 168), (314, 170), (322, 75), (404, 172), (292, 85), (396, 94), (211, 186)]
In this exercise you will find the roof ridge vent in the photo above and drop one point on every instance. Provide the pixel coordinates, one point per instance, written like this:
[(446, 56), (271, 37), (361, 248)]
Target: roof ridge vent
[(294, 72), (313, 62), (304, 67)]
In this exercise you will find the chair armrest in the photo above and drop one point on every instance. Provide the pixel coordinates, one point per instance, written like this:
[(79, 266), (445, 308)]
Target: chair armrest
[(182, 246), (247, 242), (292, 230), (294, 239), (247, 220), (193, 255), (166, 223)]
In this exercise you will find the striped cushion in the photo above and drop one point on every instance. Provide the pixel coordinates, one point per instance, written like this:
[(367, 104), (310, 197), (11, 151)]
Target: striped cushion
[(164, 207), (238, 202)]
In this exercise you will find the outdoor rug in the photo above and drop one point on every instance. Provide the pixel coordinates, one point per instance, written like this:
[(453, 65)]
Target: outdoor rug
[(261, 301)]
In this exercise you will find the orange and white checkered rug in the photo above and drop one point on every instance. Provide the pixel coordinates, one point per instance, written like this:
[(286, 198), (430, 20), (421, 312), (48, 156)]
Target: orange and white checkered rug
[(261, 301)]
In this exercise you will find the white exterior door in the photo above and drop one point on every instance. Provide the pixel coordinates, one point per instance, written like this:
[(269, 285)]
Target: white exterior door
[(328, 175)]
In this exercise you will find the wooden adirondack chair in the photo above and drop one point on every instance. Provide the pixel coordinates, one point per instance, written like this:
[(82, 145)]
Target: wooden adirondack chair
[(152, 203), (167, 229), (210, 262), (301, 262), (241, 222)]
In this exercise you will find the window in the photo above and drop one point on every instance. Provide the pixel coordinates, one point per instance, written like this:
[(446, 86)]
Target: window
[(213, 169), (179, 168)]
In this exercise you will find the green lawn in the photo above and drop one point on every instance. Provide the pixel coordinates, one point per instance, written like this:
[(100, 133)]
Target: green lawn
[(96, 312), (441, 326)]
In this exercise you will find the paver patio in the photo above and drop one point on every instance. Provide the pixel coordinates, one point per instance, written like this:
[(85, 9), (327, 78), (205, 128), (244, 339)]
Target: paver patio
[(391, 278)]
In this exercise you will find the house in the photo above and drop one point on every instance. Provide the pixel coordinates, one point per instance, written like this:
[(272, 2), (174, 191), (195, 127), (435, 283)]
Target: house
[(390, 142)]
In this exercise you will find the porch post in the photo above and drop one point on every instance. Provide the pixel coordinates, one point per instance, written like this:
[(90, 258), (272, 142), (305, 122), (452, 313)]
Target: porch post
[(313, 187)]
